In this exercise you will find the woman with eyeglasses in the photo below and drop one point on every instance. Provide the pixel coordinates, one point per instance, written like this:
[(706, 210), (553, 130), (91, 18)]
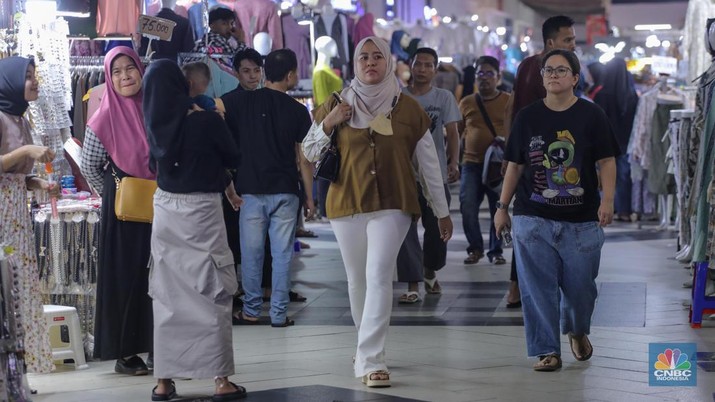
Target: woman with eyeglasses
[(554, 150)]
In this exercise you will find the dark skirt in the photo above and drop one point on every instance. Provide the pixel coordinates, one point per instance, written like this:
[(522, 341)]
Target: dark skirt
[(124, 320)]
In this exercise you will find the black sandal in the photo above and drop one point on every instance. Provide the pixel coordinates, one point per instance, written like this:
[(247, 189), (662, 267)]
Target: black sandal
[(164, 397), (287, 323), (239, 393), (583, 347)]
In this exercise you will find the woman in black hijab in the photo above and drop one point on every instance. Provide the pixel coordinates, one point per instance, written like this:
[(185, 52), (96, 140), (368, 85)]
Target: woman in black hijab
[(18, 156), (192, 281), (618, 98)]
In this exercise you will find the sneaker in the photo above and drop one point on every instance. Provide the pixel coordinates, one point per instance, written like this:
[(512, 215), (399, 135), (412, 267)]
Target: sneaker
[(474, 257), (131, 366)]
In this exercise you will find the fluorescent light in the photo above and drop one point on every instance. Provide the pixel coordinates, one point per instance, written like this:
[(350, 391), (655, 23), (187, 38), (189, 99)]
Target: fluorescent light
[(305, 22), (381, 21), (602, 47), (652, 27), (73, 14), (286, 5), (445, 59), (620, 46), (606, 57)]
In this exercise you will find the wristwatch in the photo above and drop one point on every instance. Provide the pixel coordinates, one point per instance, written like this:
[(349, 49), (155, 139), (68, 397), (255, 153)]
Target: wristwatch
[(501, 205)]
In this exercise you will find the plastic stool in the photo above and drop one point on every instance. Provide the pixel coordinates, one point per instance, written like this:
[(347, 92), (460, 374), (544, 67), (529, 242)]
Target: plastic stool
[(701, 304), (67, 316)]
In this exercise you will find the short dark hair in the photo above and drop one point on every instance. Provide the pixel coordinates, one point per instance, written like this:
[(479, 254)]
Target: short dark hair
[(194, 68), (249, 54), (426, 50), (221, 14), (570, 57), (553, 25), (488, 60), (279, 63)]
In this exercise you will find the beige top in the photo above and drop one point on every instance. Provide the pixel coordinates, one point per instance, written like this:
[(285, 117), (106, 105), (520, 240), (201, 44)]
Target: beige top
[(14, 133), (477, 136), (376, 171)]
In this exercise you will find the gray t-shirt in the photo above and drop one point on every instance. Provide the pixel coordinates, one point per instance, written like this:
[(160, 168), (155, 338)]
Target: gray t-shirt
[(441, 107)]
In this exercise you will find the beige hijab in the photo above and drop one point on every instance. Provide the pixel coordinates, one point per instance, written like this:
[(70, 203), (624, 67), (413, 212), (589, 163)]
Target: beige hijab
[(368, 101)]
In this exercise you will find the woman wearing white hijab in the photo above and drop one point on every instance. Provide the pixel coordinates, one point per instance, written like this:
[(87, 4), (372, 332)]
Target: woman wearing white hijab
[(374, 199)]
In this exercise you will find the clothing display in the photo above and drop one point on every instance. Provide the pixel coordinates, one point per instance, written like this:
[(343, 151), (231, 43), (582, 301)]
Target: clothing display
[(117, 17), (196, 18), (694, 37), (297, 38), (335, 25), (264, 16), (325, 82)]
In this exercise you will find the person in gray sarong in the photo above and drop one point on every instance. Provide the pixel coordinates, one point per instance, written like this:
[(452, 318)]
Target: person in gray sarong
[(192, 280)]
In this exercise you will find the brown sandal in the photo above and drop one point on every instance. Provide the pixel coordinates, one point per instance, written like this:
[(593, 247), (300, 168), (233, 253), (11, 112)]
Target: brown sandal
[(582, 349), (548, 363)]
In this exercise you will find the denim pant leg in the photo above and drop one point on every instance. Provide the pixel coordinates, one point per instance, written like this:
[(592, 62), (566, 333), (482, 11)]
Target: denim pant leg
[(494, 243), (624, 185), (253, 227), (538, 264), (281, 230), (470, 198), (580, 249)]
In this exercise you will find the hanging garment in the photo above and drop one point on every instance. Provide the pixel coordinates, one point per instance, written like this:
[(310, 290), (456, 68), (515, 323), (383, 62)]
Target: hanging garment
[(117, 16), (325, 82), (196, 18), (182, 39), (297, 38), (266, 17), (660, 181), (363, 28)]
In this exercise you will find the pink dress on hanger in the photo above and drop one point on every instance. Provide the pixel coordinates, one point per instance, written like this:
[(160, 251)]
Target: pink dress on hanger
[(267, 19)]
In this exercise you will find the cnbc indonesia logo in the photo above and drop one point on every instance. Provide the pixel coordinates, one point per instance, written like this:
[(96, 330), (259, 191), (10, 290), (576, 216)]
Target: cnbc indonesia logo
[(672, 366)]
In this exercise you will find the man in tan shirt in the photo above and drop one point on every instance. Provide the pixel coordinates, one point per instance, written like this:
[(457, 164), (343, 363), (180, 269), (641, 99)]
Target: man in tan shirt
[(477, 137)]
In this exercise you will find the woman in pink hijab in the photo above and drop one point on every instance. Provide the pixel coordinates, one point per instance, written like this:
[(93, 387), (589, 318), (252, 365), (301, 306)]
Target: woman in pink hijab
[(115, 146)]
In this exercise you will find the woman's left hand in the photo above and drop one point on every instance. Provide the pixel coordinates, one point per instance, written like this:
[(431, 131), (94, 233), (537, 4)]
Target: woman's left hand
[(605, 214), (445, 228)]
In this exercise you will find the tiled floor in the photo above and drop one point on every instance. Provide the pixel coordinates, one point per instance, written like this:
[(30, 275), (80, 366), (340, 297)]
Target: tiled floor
[(461, 346)]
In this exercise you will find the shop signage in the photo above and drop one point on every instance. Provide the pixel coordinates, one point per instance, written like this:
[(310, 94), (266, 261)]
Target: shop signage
[(156, 28), (664, 65)]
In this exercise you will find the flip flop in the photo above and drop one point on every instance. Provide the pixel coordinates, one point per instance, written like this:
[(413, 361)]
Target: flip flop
[(287, 323), (582, 342), (409, 298), (242, 320), (432, 287)]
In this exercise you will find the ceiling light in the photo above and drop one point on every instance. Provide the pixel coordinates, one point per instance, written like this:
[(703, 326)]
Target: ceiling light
[(381, 21), (475, 17), (446, 20), (504, 47), (665, 44), (527, 38), (501, 31), (523, 47), (652, 27), (286, 5)]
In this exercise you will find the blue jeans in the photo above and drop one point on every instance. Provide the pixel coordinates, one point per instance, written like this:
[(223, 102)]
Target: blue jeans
[(624, 185), (275, 215), (557, 264), (471, 195)]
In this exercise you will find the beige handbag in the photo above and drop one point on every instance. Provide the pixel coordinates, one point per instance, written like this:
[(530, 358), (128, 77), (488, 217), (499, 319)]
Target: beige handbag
[(134, 201)]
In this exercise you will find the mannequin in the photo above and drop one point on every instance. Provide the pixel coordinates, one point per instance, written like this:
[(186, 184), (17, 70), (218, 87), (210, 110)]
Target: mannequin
[(262, 42), (325, 81), (335, 25)]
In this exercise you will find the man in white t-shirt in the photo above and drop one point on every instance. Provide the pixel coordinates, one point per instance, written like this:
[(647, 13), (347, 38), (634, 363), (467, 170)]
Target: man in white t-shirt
[(415, 263)]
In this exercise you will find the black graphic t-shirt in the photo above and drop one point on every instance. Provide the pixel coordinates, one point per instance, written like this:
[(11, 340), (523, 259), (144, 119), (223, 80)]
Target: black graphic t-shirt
[(559, 151)]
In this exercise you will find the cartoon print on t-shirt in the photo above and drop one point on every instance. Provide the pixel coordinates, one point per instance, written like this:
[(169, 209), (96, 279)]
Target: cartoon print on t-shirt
[(562, 173)]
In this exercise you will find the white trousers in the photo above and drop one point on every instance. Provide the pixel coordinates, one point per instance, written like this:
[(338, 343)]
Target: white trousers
[(369, 244)]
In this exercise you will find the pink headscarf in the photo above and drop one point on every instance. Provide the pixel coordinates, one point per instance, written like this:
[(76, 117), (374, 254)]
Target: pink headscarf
[(119, 122)]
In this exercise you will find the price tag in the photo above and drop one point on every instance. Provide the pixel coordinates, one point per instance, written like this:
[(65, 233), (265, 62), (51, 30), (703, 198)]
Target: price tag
[(156, 28)]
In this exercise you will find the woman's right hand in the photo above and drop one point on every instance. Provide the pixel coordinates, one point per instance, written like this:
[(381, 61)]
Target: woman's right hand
[(341, 113), (501, 220), (39, 153)]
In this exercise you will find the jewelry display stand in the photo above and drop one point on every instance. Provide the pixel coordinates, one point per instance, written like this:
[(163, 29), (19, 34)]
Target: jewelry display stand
[(67, 255)]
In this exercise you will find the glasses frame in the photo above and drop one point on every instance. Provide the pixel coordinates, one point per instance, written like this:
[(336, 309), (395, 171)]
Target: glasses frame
[(487, 74), (544, 72)]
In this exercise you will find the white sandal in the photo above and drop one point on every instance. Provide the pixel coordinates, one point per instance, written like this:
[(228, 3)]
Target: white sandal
[(377, 383), (410, 298), (432, 286)]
